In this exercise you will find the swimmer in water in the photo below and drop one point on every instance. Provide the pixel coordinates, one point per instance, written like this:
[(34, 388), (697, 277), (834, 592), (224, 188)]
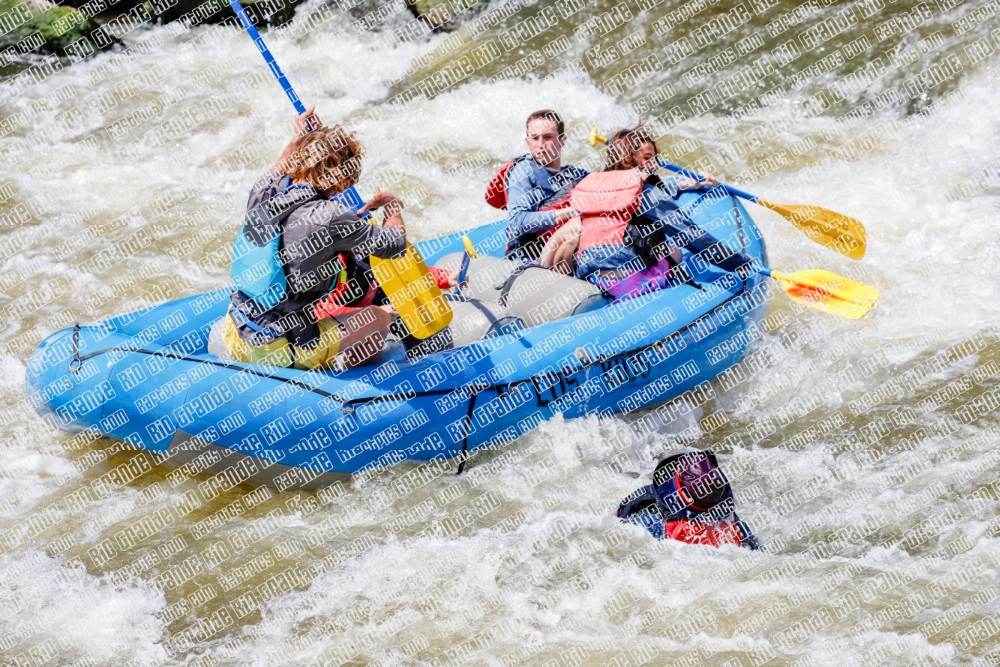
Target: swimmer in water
[(690, 500)]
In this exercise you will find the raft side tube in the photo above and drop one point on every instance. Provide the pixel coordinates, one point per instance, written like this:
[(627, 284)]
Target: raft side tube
[(621, 358)]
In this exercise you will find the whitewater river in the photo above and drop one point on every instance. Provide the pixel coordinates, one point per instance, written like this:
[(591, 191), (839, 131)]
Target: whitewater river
[(863, 454)]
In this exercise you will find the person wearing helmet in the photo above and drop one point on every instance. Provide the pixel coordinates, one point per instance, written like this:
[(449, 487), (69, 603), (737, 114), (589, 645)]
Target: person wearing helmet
[(690, 500)]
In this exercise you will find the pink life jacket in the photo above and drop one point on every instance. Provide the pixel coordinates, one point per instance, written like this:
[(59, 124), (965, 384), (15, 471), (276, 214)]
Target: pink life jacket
[(606, 202)]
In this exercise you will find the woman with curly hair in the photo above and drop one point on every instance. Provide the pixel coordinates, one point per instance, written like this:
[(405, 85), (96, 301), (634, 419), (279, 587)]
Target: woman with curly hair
[(299, 248), (631, 226)]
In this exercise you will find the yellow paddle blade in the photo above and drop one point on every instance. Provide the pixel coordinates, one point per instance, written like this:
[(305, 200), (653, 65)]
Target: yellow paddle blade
[(470, 249), (837, 232), (828, 292), (413, 292)]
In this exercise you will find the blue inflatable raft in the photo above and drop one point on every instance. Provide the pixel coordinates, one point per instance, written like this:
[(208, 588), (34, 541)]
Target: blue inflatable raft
[(147, 377)]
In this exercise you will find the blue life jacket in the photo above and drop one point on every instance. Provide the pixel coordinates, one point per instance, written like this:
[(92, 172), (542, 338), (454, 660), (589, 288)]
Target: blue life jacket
[(257, 269), (528, 247)]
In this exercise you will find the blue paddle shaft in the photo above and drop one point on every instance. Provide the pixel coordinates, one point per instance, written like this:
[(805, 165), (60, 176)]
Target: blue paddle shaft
[(349, 197), (698, 177), (268, 58), (464, 270)]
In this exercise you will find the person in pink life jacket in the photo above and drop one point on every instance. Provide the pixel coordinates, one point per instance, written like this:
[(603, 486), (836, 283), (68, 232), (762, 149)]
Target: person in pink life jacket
[(534, 188), (632, 226), (690, 500)]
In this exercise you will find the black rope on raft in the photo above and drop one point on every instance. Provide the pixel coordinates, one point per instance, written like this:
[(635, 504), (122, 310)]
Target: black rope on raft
[(465, 439), (348, 404), (743, 241), (222, 364)]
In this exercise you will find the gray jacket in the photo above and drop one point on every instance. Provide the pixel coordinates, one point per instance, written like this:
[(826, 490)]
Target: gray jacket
[(313, 237)]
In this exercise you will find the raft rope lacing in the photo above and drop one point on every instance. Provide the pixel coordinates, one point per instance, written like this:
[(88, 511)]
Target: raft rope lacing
[(347, 405)]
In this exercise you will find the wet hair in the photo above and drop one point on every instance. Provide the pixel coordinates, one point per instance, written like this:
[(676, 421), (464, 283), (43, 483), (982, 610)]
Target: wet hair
[(329, 157), (547, 114), (623, 146)]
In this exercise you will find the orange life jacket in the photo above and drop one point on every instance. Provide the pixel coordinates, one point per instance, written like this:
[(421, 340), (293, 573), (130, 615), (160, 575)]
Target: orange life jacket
[(606, 202)]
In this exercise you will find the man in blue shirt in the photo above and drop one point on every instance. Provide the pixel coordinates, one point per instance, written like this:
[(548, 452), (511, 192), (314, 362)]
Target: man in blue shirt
[(538, 188)]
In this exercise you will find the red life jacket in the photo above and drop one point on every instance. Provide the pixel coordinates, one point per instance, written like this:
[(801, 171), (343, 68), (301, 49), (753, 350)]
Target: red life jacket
[(496, 190), (329, 306), (694, 532), (606, 202)]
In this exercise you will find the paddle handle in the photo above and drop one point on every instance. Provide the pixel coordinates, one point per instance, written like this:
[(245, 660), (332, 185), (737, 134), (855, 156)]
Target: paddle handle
[(463, 271), (470, 254), (268, 58), (698, 177), (349, 197)]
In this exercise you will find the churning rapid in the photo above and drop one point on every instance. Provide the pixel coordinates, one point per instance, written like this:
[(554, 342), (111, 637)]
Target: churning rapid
[(862, 453)]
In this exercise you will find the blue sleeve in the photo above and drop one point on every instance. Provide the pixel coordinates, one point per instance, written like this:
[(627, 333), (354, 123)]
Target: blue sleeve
[(651, 521), (749, 539), (523, 196), (682, 232)]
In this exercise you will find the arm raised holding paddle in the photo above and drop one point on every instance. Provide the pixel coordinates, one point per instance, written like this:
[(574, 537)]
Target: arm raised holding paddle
[(306, 122), (405, 281)]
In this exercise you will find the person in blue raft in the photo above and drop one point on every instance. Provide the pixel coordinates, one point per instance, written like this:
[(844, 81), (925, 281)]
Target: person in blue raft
[(534, 188), (690, 500), (631, 228), (305, 294)]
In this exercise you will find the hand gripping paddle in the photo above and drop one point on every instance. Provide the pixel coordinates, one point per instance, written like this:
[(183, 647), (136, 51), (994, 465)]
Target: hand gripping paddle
[(406, 281), (814, 288), (828, 228)]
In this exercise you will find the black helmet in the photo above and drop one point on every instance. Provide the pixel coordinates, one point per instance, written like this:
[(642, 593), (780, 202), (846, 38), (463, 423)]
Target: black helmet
[(692, 478)]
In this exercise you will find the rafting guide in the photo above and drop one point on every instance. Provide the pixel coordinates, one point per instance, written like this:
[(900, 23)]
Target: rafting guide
[(302, 252)]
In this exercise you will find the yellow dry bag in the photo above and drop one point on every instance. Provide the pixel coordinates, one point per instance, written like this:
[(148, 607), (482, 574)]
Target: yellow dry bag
[(413, 292)]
